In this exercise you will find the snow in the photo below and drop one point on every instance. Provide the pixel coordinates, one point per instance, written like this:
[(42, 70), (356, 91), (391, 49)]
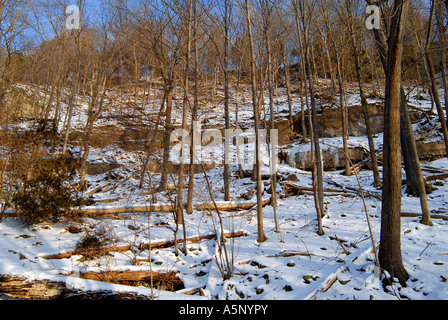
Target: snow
[(293, 264)]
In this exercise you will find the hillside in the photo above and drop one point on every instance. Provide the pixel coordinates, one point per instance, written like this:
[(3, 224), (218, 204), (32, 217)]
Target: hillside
[(294, 263)]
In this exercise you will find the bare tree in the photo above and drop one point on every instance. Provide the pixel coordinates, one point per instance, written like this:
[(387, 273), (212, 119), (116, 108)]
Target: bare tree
[(432, 76), (194, 111), (102, 62), (226, 97), (408, 145), (256, 100), (303, 16), (267, 12), (349, 18), (390, 243), (338, 47)]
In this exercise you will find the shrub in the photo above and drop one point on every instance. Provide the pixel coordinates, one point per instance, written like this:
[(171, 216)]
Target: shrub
[(46, 192)]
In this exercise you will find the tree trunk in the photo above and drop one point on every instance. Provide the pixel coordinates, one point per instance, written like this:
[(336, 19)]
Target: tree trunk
[(317, 170), (267, 11), (390, 243), (194, 114), (226, 100), (444, 44), (96, 99), (180, 184), (288, 89), (69, 112), (407, 139), (411, 156), (317, 150), (432, 77), (302, 111), (365, 109), (169, 87), (256, 106), (348, 171)]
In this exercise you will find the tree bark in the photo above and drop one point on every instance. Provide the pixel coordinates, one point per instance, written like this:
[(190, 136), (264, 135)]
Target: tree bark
[(256, 108), (317, 170), (365, 107), (390, 243), (226, 99), (169, 87), (194, 114), (412, 161), (432, 77), (180, 185), (411, 156), (267, 11)]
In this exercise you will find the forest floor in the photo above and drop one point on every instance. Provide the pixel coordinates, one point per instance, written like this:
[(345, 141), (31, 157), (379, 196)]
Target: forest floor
[(293, 264)]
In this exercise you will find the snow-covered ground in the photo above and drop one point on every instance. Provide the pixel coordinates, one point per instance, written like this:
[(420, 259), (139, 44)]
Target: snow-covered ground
[(293, 264)]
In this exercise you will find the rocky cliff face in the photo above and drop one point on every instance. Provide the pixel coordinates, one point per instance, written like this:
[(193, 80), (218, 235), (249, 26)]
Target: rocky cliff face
[(330, 121)]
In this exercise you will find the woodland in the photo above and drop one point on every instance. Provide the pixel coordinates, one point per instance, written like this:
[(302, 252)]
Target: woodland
[(95, 204)]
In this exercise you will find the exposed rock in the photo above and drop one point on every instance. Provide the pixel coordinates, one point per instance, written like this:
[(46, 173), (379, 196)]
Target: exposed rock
[(292, 177), (286, 134), (99, 168), (431, 149), (330, 122), (333, 159)]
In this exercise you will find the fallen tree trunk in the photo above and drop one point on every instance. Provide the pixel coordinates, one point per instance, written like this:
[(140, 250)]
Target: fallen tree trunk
[(23, 288), (161, 207), (231, 205), (152, 207), (168, 281), (292, 189), (168, 207), (98, 189), (417, 215), (142, 246)]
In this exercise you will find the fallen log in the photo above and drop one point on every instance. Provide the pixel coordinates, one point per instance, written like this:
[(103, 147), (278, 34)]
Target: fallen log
[(428, 131), (291, 189), (287, 254), (120, 183), (152, 207), (23, 288), (168, 207), (433, 177), (231, 205), (168, 281), (142, 246), (160, 207), (98, 189), (327, 284), (417, 215), (155, 190)]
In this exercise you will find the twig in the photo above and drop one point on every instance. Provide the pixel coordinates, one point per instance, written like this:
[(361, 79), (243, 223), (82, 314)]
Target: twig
[(377, 263), (143, 246), (221, 245), (429, 244), (342, 246)]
